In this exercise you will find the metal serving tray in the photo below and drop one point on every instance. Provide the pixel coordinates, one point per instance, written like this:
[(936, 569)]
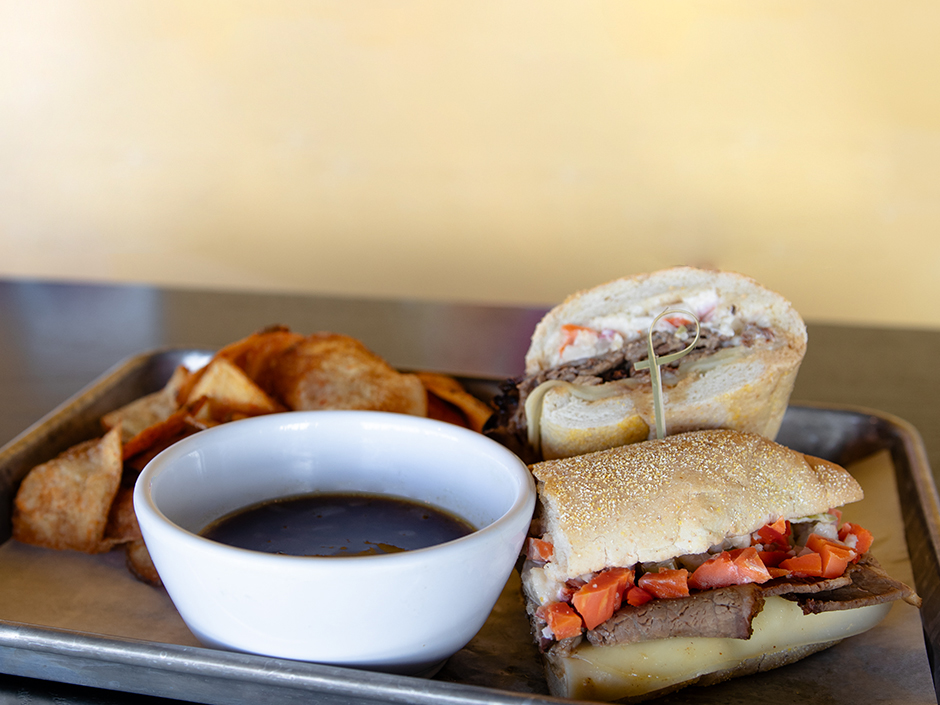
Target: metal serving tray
[(500, 665)]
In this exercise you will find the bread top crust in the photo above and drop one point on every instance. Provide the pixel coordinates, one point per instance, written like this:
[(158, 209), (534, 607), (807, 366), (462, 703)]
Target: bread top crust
[(629, 304), (659, 499)]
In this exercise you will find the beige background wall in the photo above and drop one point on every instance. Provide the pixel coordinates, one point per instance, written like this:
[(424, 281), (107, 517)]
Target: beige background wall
[(476, 150)]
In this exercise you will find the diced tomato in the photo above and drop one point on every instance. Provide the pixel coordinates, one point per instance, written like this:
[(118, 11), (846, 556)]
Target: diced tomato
[(624, 575), (666, 584), (835, 556), (677, 321), (863, 537), (833, 565), (751, 568), (817, 543), (637, 596), (778, 572), (561, 619), (772, 559), (718, 571), (837, 513), (806, 565), (539, 550), (601, 596), (571, 331), (775, 534), (730, 568)]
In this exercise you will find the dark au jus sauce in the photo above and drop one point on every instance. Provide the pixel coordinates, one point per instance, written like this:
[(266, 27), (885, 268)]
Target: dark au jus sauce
[(341, 524)]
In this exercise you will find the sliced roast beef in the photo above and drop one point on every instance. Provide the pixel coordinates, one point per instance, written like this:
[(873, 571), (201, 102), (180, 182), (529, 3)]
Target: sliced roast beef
[(870, 585), (723, 612), (784, 586)]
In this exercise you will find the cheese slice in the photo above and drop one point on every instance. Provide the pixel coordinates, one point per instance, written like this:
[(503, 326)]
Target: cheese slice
[(609, 673)]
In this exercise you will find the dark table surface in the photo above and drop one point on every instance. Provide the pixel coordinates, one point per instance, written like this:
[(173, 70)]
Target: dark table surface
[(55, 338)]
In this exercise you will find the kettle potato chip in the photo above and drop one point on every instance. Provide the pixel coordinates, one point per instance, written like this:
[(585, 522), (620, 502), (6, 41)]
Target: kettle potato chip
[(64, 503), (333, 371), (451, 391), (225, 382), (147, 410)]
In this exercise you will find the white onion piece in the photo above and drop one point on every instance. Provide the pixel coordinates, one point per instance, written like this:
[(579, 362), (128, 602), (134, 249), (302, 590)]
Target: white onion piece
[(710, 362)]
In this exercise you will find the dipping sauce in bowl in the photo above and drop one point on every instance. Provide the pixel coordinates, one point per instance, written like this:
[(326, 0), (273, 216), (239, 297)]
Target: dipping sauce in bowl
[(337, 524), (400, 611)]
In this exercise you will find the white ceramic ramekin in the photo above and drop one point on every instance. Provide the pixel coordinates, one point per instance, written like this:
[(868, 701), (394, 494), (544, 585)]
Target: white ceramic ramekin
[(401, 612)]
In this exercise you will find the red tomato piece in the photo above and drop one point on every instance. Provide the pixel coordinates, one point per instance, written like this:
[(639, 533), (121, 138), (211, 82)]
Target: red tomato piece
[(717, 571), (561, 618), (539, 550), (833, 565), (776, 534), (863, 537), (666, 584), (737, 567), (623, 575), (677, 321), (600, 597), (637, 596), (750, 567), (571, 331), (807, 565), (835, 556)]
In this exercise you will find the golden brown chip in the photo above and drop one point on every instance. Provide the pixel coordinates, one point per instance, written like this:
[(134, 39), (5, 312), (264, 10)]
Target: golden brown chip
[(133, 466), (213, 412), (165, 433), (333, 371), (64, 503), (256, 353), (450, 390), (441, 410), (140, 564), (122, 521), (147, 410), (225, 382)]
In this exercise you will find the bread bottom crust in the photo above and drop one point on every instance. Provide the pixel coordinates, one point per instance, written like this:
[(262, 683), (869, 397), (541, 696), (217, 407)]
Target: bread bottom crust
[(747, 393), (635, 672)]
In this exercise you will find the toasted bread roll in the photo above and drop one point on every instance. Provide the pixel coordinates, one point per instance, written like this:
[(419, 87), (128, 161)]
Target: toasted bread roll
[(739, 376)]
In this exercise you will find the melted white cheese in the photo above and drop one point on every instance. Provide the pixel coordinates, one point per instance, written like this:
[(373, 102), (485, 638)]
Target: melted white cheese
[(610, 672)]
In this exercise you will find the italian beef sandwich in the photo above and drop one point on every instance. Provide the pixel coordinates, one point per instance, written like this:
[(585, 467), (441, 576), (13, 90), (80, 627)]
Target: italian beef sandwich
[(694, 559), (581, 391)]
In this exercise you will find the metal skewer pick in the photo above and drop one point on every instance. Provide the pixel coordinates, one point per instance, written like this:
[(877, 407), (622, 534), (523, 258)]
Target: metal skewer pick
[(654, 363)]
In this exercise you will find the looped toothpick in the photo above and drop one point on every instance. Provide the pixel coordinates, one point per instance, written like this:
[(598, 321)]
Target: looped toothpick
[(654, 363)]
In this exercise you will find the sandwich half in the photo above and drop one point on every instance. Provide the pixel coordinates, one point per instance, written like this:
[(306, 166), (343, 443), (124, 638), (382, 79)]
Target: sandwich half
[(694, 559), (581, 392)]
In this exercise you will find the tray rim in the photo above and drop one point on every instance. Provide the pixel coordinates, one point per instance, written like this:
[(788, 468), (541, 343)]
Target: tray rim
[(19, 641)]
